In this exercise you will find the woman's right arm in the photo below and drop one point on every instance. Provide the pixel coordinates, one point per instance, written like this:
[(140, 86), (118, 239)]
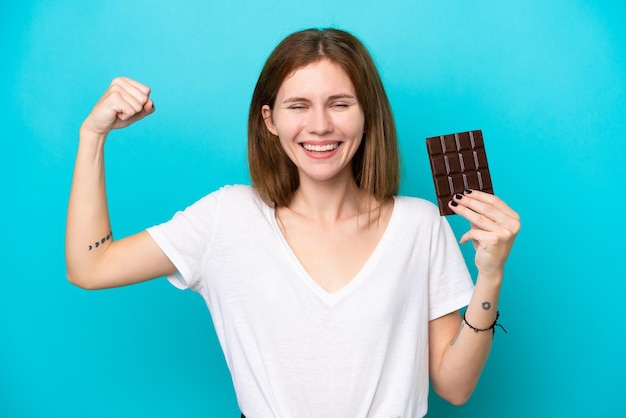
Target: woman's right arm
[(94, 259)]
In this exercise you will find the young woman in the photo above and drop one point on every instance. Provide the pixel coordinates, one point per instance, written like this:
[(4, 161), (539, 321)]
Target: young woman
[(331, 295)]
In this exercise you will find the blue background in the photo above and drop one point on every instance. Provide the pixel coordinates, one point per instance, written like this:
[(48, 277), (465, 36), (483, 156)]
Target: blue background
[(545, 81)]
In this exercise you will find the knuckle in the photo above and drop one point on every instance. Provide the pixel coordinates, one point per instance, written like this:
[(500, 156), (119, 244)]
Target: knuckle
[(515, 227), (482, 219), (115, 90), (506, 237), (117, 81)]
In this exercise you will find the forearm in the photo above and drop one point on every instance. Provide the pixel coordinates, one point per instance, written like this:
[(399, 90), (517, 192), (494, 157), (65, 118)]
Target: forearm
[(88, 229), (464, 358)]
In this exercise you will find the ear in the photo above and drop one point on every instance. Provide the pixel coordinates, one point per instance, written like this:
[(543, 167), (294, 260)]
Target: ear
[(266, 112)]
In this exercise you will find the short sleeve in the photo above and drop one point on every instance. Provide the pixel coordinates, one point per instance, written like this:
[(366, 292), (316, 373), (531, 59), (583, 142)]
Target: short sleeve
[(185, 238), (450, 284)]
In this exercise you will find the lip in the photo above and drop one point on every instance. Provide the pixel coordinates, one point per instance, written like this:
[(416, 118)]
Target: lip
[(320, 154)]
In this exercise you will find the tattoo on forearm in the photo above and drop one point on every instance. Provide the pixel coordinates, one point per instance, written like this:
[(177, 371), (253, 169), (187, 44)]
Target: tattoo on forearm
[(457, 334), (486, 305), (102, 241)]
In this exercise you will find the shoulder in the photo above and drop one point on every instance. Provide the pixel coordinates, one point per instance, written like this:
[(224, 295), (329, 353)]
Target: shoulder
[(234, 201), (224, 199), (238, 194), (238, 190), (229, 193), (418, 215), (417, 207)]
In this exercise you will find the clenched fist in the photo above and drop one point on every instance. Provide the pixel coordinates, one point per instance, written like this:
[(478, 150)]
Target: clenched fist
[(125, 102)]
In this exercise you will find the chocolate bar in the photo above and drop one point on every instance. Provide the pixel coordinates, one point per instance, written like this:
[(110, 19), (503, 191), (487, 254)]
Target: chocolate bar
[(458, 162)]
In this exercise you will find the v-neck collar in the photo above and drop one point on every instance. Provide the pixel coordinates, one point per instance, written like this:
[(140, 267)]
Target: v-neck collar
[(332, 298)]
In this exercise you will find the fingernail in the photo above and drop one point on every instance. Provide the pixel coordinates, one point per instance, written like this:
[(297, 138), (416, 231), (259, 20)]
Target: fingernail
[(458, 196), (453, 203), (153, 106), (468, 191)]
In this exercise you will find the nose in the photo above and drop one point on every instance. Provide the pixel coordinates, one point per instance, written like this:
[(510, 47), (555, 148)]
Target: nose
[(320, 122)]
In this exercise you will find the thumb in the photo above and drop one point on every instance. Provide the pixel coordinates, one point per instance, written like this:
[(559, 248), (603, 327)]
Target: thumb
[(469, 235)]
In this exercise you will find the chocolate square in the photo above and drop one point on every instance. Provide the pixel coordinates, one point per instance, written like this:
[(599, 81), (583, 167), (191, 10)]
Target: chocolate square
[(458, 162)]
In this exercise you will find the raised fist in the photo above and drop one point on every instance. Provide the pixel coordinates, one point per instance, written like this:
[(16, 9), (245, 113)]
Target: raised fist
[(125, 102)]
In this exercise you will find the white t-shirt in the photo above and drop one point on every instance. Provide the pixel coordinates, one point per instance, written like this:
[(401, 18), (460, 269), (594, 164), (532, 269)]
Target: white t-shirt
[(297, 351)]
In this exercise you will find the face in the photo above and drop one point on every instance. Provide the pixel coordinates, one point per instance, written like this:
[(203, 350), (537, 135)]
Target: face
[(318, 121)]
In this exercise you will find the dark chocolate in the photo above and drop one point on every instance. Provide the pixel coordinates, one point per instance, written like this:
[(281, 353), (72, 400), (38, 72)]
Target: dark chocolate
[(458, 162)]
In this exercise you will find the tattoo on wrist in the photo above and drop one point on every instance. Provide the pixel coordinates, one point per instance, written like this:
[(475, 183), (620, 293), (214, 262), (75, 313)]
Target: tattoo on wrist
[(102, 241), (486, 305)]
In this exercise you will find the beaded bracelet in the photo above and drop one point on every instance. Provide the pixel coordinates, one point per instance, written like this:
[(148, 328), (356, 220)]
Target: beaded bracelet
[(492, 327)]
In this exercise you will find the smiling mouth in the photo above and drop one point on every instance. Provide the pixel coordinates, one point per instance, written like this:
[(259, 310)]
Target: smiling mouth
[(320, 148)]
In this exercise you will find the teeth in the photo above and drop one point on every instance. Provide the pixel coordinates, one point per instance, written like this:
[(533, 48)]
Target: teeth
[(320, 148)]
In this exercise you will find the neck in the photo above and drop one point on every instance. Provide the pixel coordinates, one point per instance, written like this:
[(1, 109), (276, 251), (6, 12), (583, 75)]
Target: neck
[(329, 202)]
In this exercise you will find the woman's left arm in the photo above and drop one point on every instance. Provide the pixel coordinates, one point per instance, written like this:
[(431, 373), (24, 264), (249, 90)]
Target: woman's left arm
[(459, 347)]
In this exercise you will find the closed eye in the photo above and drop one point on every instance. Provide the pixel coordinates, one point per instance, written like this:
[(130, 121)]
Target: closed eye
[(295, 103), (342, 101)]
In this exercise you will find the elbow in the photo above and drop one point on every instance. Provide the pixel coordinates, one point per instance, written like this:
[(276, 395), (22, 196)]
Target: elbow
[(459, 399), (457, 396), (81, 274), (78, 283), (82, 281)]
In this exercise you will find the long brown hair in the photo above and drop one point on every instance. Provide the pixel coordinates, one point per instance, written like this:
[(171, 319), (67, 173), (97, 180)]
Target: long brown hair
[(375, 165)]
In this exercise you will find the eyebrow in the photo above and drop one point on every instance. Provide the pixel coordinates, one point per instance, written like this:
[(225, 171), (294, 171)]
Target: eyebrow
[(296, 99)]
